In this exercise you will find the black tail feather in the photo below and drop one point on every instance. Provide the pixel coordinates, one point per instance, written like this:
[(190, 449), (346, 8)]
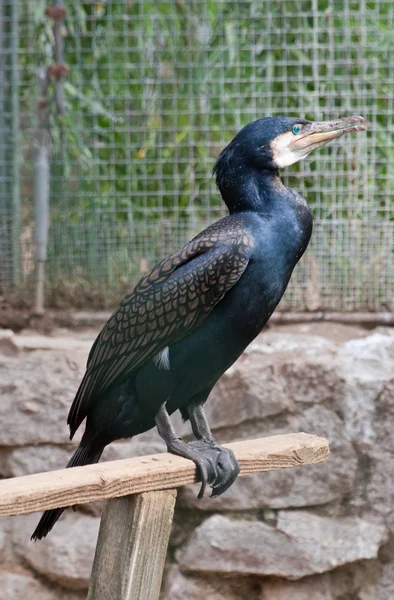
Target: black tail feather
[(84, 455)]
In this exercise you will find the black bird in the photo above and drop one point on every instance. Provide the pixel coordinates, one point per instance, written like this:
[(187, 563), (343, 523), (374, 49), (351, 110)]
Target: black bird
[(183, 325)]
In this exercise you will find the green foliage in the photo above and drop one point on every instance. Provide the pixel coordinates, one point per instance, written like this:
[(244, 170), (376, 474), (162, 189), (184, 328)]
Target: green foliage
[(155, 88)]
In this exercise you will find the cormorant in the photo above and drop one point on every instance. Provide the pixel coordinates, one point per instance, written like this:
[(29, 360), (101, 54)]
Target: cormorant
[(184, 323)]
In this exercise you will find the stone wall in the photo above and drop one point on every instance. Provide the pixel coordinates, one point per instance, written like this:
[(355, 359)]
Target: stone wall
[(322, 532)]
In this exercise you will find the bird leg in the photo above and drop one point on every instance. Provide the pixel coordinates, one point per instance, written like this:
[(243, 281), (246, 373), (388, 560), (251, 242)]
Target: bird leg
[(205, 462), (227, 467)]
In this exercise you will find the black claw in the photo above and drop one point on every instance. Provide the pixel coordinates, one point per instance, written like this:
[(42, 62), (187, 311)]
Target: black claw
[(229, 476), (217, 466), (206, 464), (228, 471), (204, 478), (201, 493)]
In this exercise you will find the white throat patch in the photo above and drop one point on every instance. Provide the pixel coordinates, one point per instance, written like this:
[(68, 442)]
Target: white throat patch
[(283, 156)]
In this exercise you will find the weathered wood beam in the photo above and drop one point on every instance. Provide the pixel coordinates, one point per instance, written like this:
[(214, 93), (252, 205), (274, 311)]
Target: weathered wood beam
[(132, 547), (79, 485)]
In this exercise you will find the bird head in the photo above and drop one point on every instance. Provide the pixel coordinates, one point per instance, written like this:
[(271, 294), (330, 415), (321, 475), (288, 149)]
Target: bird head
[(276, 142)]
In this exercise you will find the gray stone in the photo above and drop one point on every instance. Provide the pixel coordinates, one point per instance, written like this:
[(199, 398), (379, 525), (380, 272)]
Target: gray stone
[(146, 443), (367, 366), (66, 555), (37, 389), (383, 588), (368, 359), (6, 550), (36, 393), (334, 541), (302, 544), (240, 547), (33, 341), (23, 586), (293, 341), (380, 488), (310, 588), (259, 386), (183, 525), (359, 411), (249, 390), (36, 459), (340, 472), (347, 581), (2, 543), (7, 342), (336, 333), (177, 586), (4, 459), (312, 381), (6, 334), (383, 422), (380, 484), (321, 378)]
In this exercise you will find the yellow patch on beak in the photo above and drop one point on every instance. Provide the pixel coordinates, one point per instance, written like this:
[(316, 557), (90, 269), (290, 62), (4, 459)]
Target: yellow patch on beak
[(292, 146), (282, 151)]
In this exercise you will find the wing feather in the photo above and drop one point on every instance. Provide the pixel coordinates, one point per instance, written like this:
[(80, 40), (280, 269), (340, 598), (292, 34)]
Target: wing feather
[(166, 305)]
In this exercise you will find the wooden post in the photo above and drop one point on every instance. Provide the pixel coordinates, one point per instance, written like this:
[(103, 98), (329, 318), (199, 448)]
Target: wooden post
[(132, 546), (136, 524)]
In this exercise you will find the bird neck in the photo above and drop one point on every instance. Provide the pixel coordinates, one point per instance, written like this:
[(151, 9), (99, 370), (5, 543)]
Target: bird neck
[(257, 191)]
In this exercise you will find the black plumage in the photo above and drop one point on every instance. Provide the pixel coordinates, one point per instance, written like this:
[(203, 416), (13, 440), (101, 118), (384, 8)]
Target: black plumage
[(165, 306), (191, 317)]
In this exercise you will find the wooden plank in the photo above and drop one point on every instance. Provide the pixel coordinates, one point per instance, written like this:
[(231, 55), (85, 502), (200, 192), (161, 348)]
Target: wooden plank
[(132, 546), (78, 485)]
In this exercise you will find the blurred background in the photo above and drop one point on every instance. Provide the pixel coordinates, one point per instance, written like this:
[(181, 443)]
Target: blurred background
[(112, 114), (138, 101)]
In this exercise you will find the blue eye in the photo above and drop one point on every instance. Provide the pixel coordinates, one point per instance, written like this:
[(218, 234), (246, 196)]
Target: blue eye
[(296, 129)]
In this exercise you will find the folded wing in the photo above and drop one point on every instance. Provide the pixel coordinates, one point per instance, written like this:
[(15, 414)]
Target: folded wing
[(166, 305)]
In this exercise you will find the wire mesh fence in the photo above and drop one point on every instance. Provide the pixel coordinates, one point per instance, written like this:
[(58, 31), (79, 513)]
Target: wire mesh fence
[(154, 91)]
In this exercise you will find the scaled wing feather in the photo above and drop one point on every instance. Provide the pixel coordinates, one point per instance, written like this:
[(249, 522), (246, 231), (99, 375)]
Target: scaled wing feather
[(166, 305)]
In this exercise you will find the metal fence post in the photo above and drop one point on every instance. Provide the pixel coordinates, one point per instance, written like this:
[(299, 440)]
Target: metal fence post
[(41, 189), (9, 148)]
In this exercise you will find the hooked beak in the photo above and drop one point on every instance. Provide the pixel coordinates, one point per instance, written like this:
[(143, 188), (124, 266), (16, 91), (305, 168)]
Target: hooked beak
[(320, 133), (291, 147)]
